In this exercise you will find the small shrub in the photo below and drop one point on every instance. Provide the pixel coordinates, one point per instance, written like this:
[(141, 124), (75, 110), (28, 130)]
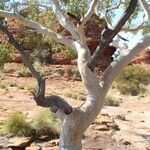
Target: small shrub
[(76, 72), (46, 124), (57, 73), (111, 101), (132, 80), (32, 88), (8, 70), (43, 124), (68, 72), (76, 96), (56, 47), (121, 116), (70, 54), (5, 53), (43, 56), (16, 125), (3, 86), (12, 84), (24, 72)]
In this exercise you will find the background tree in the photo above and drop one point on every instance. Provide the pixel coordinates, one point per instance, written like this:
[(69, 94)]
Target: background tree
[(75, 121)]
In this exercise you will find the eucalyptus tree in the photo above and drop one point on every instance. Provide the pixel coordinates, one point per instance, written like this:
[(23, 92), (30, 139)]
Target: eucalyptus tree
[(75, 121)]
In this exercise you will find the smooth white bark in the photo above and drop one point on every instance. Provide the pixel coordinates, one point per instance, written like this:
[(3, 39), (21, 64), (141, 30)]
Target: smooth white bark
[(38, 27), (64, 20), (146, 7), (116, 66), (75, 124), (90, 12)]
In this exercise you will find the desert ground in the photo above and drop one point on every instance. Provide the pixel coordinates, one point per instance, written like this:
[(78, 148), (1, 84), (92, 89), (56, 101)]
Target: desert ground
[(123, 127)]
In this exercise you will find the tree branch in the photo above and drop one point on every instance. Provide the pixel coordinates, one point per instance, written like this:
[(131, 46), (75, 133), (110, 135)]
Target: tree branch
[(117, 66), (64, 20), (26, 59), (54, 102), (89, 13), (146, 7), (38, 27), (108, 34), (140, 27)]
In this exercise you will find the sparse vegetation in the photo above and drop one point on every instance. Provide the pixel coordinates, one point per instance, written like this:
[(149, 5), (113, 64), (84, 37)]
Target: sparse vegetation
[(16, 125), (12, 84), (24, 72), (8, 70), (133, 80), (68, 72), (5, 52), (76, 96), (76, 72), (43, 124), (3, 86), (31, 88), (70, 54), (57, 73), (121, 116), (111, 101), (46, 124), (43, 56)]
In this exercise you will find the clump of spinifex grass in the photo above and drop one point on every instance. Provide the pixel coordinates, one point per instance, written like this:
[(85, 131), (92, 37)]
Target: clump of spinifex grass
[(46, 124), (43, 124), (16, 125)]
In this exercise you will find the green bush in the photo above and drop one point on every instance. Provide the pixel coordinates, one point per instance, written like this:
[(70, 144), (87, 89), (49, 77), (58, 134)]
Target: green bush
[(76, 72), (24, 72), (43, 124), (46, 124), (68, 72), (43, 56), (132, 80), (5, 52), (70, 54), (16, 125), (111, 101)]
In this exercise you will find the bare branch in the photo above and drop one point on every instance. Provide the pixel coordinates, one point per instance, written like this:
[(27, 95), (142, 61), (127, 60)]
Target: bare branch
[(11, 29), (89, 13), (26, 59), (54, 102), (140, 27), (64, 20), (116, 66), (146, 7), (108, 34), (38, 27)]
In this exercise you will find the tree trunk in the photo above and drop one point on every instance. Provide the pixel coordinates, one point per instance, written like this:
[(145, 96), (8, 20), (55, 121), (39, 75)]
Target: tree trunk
[(74, 125)]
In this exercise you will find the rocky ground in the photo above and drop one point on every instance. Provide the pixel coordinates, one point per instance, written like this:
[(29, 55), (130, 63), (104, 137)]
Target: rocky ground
[(126, 127)]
